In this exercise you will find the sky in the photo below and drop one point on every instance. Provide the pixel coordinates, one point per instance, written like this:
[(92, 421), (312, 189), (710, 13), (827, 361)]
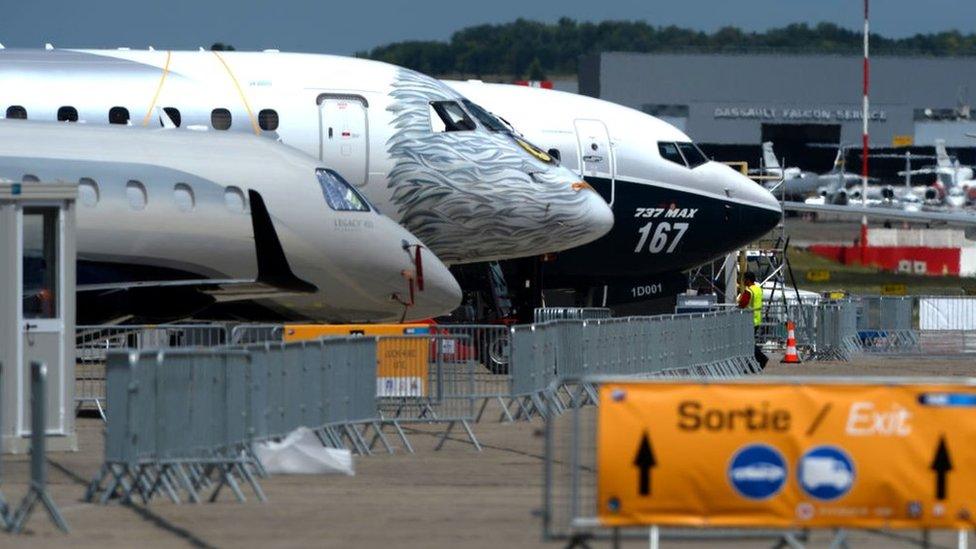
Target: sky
[(350, 26)]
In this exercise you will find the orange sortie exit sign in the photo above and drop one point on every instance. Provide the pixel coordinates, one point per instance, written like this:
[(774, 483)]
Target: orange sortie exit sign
[(787, 455)]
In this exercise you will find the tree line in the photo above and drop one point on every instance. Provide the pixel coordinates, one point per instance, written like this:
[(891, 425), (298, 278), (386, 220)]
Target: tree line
[(534, 49)]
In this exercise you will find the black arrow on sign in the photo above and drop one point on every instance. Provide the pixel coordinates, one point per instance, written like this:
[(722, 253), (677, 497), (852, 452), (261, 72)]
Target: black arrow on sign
[(644, 461), (941, 464)]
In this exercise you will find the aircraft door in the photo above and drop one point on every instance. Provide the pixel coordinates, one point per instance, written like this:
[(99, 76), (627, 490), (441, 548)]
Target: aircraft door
[(597, 163), (344, 136)]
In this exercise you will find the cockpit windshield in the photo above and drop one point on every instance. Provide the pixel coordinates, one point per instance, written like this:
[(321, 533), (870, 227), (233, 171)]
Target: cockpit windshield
[(487, 119), (684, 153), (339, 194), (448, 116), (693, 155)]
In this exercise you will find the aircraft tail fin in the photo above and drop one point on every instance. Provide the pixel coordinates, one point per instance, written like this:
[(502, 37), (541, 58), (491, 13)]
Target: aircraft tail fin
[(941, 155), (769, 157), (839, 159)]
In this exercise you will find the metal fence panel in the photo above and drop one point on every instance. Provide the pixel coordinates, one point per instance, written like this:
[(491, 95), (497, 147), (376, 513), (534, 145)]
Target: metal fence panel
[(545, 314)]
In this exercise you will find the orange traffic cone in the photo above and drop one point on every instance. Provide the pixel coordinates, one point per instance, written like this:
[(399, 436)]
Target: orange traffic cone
[(791, 356)]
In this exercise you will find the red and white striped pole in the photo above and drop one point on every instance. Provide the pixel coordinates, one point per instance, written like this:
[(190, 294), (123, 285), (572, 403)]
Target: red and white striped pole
[(865, 115)]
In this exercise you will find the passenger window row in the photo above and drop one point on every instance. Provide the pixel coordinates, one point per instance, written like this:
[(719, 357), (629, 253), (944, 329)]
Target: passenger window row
[(220, 118), (184, 197)]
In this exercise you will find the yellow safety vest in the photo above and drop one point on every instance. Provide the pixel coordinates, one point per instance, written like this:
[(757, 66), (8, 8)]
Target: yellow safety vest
[(755, 303)]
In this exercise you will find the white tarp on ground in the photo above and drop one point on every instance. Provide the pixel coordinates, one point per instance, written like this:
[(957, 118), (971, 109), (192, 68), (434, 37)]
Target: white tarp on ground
[(946, 313), (302, 453)]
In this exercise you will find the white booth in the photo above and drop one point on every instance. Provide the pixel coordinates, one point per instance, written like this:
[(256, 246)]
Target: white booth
[(37, 309)]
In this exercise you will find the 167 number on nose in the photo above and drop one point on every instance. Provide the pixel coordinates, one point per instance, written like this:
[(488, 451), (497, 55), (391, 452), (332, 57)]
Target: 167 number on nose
[(666, 235)]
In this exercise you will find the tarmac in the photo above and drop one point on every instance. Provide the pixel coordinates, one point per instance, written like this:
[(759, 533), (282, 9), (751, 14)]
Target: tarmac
[(449, 498)]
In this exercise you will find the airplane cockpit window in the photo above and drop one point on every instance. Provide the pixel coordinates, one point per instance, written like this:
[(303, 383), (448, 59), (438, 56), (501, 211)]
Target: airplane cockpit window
[(268, 120), (693, 155), (487, 119), (118, 115), (669, 151), (67, 114), (220, 119), (448, 116), (16, 112), (339, 194)]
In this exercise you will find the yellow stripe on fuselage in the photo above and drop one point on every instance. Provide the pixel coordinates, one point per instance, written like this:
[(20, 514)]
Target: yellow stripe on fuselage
[(159, 88)]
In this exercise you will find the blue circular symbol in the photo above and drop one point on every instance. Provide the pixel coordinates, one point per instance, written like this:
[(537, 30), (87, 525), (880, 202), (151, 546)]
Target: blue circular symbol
[(757, 471), (826, 473)]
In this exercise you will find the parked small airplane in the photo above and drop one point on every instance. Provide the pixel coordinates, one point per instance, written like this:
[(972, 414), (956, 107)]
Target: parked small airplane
[(176, 224)]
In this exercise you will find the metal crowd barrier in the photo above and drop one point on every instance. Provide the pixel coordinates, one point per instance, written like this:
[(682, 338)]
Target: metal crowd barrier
[(428, 379), (183, 421), (947, 313), (836, 334), (716, 344), (545, 314), (772, 331), (886, 325), (248, 334), (92, 344)]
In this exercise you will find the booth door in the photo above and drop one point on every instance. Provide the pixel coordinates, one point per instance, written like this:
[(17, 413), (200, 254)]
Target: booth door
[(42, 320)]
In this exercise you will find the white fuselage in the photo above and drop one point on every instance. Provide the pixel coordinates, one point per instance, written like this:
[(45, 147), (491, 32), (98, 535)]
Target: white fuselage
[(672, 213), (469, 194), (174, 202)]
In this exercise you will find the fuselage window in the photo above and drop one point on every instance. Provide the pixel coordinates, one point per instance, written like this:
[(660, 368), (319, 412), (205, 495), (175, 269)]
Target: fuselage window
[(88, 192), (174, 114), (135, 192), (693, 155), (487, 119), (448, 116), (16, 112), (339, 194), (183, 196), (220, 119), (669, 151), (268, 120), (234, 199), (67, 114), (118, 115)]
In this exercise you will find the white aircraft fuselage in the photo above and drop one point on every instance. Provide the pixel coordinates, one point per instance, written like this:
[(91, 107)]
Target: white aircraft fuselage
[(166, 226), (399, 137), (674, 208)]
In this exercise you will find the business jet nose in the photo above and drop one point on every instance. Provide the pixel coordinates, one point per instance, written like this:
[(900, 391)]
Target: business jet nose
[(441, 293)]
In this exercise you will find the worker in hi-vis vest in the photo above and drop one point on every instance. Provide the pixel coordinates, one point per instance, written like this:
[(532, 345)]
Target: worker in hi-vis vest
[(752, 299)]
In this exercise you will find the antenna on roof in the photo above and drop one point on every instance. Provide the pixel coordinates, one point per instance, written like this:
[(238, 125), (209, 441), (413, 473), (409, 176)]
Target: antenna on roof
[(48, 46), (152, 48), (201, 48), (1, 46)]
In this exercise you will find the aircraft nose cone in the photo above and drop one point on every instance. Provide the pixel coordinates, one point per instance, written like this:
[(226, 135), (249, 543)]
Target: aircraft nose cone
[(441, 293), (760, 212)]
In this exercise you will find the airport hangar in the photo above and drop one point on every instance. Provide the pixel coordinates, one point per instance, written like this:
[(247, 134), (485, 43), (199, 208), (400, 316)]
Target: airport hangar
[(806, 104)]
